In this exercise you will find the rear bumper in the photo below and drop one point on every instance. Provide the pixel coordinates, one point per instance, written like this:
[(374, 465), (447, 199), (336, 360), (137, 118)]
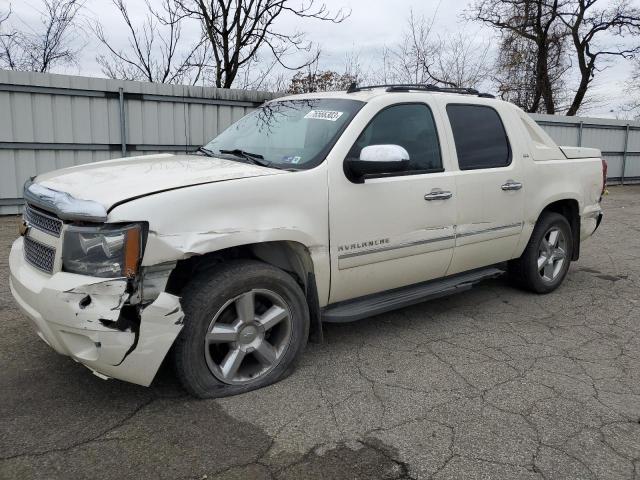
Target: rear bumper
[(589, 223), (598, 222), (52, 304)]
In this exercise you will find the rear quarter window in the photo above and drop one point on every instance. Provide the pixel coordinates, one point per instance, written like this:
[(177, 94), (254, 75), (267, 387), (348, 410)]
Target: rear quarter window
[(480, 137)]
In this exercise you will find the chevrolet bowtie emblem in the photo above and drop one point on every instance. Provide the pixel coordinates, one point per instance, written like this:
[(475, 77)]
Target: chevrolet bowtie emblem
[(23, 228)]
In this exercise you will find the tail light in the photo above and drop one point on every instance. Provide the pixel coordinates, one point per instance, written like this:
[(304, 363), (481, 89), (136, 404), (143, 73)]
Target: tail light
[(605, 167)]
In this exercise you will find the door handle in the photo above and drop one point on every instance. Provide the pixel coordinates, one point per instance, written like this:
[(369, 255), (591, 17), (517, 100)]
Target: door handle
[(511, 185), (438, 195)]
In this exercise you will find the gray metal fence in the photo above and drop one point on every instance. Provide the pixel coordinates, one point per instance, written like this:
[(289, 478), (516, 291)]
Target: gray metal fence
[(619, 141), (54, 121)]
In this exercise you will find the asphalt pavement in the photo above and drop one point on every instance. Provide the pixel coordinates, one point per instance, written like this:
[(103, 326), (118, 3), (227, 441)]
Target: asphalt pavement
[(493, 383)]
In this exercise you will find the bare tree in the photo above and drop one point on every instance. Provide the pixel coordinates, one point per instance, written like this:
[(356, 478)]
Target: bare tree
[(533, 20), (354, 69), (586, 25), (459, 61), (412, 55), (4, 16), (385, 71), (516, 66), (278, 82), (452, 60), (320, 81), (560, 34), (237, 30), (315, 79), (155, 50), (632, 107), (6, 39), (41, 48)]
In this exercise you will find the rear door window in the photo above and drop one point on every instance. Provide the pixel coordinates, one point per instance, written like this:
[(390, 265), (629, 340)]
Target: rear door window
[(480, 137)]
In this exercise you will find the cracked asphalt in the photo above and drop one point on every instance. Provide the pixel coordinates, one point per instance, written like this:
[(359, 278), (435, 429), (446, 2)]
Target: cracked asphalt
[(489, 384)]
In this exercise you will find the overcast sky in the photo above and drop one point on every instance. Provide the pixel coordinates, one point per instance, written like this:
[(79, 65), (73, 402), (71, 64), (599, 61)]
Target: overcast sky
[(371, 25)]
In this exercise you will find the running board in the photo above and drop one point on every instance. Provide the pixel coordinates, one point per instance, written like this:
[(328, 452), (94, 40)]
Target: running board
[(377, 303)]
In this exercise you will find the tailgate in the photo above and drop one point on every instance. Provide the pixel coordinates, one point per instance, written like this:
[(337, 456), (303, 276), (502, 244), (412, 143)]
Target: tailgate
[(580, 152)]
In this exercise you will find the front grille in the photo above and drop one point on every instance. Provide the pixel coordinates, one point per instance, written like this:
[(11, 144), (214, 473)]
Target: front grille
[(42, 221), (39, 255)]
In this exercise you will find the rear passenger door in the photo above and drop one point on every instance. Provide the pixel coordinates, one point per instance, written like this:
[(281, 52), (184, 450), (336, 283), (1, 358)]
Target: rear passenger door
[(490, 186)]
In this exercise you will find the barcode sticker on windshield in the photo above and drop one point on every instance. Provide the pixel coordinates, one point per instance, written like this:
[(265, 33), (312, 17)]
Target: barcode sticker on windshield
[(330, 115)]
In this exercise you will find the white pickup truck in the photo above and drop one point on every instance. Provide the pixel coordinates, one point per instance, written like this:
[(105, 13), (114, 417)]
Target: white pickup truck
[(326, 207)]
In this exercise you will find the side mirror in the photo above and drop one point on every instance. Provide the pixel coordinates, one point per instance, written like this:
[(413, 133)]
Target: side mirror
[(377, 160)]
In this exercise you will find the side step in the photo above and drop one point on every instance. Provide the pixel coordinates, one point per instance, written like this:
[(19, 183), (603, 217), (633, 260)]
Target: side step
[(377, 303)]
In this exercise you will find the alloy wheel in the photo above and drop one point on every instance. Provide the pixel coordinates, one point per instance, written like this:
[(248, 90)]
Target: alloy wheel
[(552, 254), (248, 336)]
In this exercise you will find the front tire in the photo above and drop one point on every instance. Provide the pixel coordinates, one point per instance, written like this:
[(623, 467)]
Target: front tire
[(545, 262), (246, 325)]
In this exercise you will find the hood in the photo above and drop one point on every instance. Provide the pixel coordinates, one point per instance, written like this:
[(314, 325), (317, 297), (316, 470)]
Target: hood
[(114, 181)]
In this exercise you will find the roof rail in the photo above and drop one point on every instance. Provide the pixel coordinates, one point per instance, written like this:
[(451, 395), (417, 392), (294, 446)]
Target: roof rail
[(406, 87)]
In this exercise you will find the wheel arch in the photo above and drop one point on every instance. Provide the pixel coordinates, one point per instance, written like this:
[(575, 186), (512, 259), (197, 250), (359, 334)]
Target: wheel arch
[(570, 209), (292, 257)]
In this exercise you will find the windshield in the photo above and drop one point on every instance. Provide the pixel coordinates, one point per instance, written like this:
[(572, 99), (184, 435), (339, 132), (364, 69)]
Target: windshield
[(287, 134)]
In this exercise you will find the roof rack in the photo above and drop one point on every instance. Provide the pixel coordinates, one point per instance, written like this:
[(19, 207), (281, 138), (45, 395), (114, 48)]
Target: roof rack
[(407, 87)]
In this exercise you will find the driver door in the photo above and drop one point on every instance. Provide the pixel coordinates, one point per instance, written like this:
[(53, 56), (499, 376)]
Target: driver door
[(396, 229)]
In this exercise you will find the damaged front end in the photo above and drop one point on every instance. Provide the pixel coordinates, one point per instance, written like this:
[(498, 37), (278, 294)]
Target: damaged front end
[(139, 323), (79, 279), (118, 327)]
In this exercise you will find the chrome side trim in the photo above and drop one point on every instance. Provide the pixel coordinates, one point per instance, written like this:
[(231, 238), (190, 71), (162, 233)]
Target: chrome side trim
[(396, 247), (64, 205), (430, 240), (487, 230)]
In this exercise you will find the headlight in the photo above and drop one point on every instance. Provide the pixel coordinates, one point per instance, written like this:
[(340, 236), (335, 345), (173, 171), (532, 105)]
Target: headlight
[(108, 251)]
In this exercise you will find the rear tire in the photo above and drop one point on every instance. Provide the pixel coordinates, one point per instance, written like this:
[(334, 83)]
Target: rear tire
[(246, 325), (545, 261)]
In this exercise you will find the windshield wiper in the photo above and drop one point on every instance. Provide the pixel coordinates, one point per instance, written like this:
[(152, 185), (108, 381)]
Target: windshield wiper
[(206, 151), (252, 157)]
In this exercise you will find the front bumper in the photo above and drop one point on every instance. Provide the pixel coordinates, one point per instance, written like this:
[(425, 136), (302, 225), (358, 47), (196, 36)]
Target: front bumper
[(61, 314)]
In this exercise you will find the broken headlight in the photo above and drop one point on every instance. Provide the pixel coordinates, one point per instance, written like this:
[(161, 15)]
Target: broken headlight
[(108, 251)]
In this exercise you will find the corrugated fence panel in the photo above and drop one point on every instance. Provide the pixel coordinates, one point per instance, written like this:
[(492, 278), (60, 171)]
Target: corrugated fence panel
[(56, 121), (562, 135), (8, 178), (614, 163), (6, 118), (606, 139), (633, 167), (634, 141)]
